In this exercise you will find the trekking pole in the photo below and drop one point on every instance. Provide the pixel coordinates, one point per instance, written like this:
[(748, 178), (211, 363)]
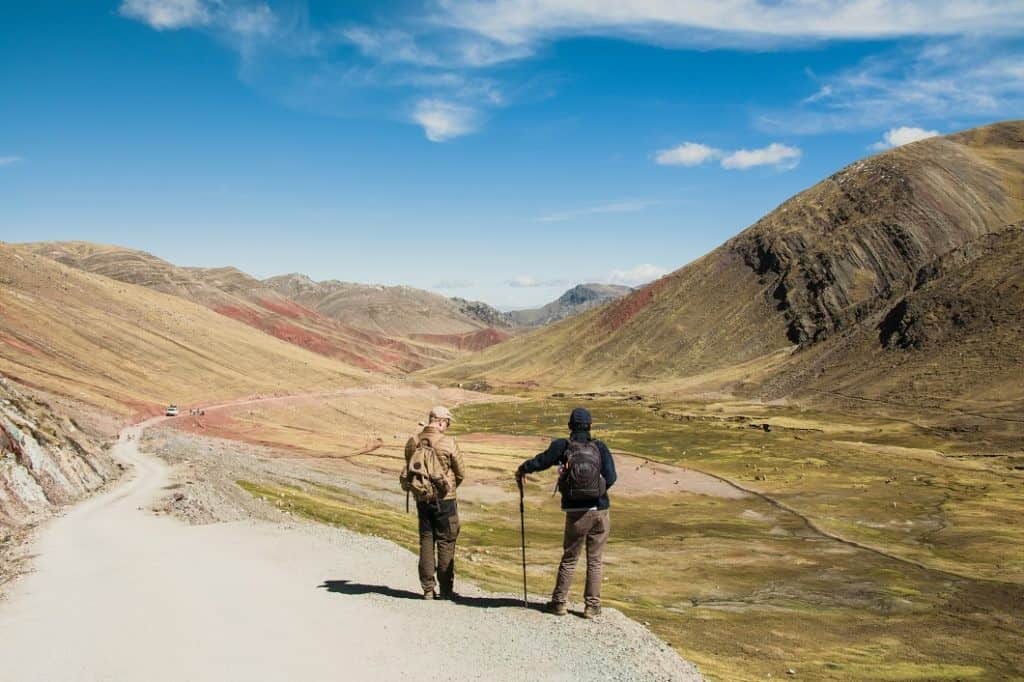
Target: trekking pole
[(406, 501), (522, 535)]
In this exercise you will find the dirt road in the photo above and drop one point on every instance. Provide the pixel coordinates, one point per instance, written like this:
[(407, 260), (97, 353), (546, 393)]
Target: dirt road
[(119, 593)]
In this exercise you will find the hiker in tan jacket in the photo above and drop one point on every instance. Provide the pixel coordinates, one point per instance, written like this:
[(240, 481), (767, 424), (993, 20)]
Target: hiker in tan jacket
[(437, 509)]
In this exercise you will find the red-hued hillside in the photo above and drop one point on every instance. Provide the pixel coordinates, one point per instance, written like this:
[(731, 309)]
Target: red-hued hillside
[(234, 294)]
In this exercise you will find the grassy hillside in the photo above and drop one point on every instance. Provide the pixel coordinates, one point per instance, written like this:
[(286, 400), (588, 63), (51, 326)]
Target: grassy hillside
[(129, 348), (237, 295), (393, 310), (828, 263)]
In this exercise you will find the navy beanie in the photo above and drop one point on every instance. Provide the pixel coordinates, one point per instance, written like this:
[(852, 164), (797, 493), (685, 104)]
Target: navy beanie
[(580, 420)]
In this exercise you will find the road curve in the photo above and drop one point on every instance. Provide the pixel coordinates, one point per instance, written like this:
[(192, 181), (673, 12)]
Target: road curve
[(119, 593)]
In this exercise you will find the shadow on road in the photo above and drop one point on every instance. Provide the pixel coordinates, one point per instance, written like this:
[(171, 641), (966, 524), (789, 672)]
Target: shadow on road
[(349, 587)]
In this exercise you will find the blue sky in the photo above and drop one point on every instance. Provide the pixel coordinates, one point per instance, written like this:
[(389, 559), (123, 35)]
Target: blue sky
[(500, 150)]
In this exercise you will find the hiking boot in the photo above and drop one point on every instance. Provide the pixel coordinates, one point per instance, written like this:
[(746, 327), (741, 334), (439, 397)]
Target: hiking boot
[(449, 595), (430, 595), (591, 611), (556, 608)]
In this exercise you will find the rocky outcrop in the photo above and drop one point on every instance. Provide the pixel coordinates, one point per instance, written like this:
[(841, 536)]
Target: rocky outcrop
[(851, 245), (45, 461), (482, 312), (975, 290)]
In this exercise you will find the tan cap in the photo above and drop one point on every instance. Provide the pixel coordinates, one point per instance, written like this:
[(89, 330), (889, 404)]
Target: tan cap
[(440, 412)]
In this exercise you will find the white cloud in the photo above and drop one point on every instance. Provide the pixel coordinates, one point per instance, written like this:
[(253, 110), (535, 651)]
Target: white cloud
[(635, 276), (629, 206), (167, 14), (694, 154), (687, 154), (897, 137), (10, 160), (443, 120), (776, 154)]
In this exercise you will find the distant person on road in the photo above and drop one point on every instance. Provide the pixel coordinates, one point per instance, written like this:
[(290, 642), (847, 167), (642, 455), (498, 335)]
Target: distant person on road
[(585, 472), (433, 470)]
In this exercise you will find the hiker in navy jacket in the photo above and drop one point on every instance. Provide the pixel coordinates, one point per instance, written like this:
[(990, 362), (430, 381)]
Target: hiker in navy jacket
[(586, 471)]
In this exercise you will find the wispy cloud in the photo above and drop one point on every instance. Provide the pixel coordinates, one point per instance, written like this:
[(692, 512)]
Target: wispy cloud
[(167, 14), (897, 137), (443, 120), (970, 77), (627, 206), (238, 18), (783, 157), (751, 23), (10, 160), (439, 63)]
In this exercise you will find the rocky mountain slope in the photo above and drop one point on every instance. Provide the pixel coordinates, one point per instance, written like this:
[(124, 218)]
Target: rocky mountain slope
[(45, 460), (235, 294), (953, 340), (831, 262), (130, 349), (580, 298)]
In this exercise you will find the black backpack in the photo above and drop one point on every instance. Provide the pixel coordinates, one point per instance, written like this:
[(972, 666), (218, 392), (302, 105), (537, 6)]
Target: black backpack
[(581, 479)]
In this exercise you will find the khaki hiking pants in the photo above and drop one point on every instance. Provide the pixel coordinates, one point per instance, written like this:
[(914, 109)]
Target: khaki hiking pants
[(590, 527), (439, 526)]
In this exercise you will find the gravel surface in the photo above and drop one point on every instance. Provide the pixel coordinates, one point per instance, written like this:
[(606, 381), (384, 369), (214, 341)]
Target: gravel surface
[(121, 592)]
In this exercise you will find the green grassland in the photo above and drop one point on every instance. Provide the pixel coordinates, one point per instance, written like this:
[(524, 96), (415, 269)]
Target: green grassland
[(862, 551)]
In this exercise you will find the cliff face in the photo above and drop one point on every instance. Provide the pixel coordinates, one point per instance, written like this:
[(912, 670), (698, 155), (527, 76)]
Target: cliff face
[(45, 461), (840, 251)]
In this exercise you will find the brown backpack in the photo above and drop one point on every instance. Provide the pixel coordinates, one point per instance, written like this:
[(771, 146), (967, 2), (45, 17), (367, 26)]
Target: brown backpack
[(424, 475)]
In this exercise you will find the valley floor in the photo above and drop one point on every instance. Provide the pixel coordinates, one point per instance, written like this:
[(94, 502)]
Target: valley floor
[(122, 590)]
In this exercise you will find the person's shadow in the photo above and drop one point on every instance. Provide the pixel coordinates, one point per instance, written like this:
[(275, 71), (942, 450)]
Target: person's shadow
[(350, 588)]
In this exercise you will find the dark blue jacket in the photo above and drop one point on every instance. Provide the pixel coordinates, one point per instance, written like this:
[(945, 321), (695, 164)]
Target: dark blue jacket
[(555, 454)]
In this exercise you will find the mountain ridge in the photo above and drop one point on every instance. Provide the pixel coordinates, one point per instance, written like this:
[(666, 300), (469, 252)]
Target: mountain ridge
[(828, 261)]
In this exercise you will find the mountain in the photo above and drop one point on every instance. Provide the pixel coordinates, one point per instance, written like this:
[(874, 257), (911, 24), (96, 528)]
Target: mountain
[(398, 311), (797, 289), (131, 349), (235, 294), (576, 300)]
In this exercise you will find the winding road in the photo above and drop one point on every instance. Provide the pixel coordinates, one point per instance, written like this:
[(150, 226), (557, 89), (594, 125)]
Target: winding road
[(120, 593)]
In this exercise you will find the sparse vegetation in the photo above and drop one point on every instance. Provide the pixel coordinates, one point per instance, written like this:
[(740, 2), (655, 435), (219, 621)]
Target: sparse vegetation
[(747, 587)]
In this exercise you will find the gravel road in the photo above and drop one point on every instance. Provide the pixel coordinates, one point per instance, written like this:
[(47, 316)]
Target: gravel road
[(120, 593)]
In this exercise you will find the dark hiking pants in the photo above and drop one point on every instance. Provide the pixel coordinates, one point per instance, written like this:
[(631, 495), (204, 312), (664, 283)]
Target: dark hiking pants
[(588, 528), (439, 527)]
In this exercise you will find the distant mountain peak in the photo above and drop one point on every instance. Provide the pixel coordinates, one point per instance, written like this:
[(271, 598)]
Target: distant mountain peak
[(576, 300)]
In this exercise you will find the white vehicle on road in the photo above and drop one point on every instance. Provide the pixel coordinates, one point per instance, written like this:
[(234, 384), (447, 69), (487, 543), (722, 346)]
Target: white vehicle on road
[(172, 411)]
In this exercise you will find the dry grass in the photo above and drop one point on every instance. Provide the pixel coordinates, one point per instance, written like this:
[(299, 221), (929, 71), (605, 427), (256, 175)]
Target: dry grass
[(128, 349)]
